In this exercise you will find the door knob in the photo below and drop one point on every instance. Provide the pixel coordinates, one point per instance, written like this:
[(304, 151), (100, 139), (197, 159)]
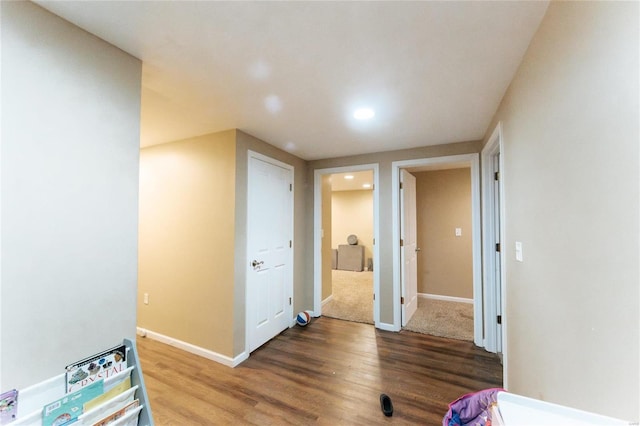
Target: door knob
[(256, 264), (418, 249)]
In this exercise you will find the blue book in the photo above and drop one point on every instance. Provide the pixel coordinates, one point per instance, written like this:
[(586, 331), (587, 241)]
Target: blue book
[(67, 409)]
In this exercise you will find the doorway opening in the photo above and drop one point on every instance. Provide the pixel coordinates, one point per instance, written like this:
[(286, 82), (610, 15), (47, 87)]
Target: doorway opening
[(348, 295), (403, 288), (438, 287), (345, 231)]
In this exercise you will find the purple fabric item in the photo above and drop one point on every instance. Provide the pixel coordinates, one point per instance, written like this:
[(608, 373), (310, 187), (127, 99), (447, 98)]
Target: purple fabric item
[(472, 409)]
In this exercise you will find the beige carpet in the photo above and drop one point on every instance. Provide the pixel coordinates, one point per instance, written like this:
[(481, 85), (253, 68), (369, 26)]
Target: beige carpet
[(352, 297), (353, 301), (441, 318)]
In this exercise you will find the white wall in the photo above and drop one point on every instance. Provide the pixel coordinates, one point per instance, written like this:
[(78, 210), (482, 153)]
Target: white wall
[(69, 187), (571, 175)]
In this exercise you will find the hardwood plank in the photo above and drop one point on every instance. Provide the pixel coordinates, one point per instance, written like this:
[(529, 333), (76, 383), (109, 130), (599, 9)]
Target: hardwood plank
[(331, 372)]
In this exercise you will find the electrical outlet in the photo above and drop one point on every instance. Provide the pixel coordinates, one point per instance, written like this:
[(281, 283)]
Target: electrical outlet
[(458, 232), (146, 298)]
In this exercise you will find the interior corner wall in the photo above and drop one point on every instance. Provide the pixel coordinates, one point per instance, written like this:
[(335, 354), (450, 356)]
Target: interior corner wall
[(303, 263), (571, 180), (352, 213), (385, 243), (68, 195), (443, 203), (186, 256)]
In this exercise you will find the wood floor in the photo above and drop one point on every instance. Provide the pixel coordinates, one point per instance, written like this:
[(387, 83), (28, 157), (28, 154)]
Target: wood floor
[(331, 372)]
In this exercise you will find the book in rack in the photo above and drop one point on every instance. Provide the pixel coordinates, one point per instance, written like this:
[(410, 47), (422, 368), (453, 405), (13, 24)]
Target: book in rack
[(121, 401), (68, 408), (8, 406), (99, 366)]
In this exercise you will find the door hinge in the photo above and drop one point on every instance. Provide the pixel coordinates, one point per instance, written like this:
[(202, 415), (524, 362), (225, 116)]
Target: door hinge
[(499, 319), (496, 176), (289, 301), (401, 242), (290, 187), (374, 241), (498, 247), (400, 185), (402, 300), (374, 296), (290, 244)]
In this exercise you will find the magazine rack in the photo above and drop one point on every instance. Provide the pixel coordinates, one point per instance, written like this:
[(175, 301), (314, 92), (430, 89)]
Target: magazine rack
[(32, 399)]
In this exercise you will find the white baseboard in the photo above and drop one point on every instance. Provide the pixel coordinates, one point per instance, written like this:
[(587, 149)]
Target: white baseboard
[(327, 300), (445, 298), (386, 326), (196, 350)]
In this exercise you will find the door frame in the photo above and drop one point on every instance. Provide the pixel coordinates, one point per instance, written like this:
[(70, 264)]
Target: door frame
[(494, 146), (290, 260), (317, 235), (466, 160)]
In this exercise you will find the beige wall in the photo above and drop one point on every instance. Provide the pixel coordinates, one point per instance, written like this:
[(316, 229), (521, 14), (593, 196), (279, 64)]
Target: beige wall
[(327, 226), (384, 159), (186, 256), (443, 203), (352, 213), (571, 177), (68, 194), (193, 201)]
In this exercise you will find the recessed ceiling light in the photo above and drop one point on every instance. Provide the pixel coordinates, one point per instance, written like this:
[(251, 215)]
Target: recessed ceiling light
[(363, 114), (348, 177), (366, 185), (273, 104)]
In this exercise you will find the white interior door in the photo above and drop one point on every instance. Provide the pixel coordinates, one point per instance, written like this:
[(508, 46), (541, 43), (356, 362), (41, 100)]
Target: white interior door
[(409, 249), (269, 249)]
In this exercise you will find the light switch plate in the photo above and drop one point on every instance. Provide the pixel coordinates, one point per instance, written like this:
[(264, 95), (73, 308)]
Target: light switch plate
[(518, 251)]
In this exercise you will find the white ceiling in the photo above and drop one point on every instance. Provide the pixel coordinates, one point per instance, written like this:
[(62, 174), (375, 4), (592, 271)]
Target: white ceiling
[(340, 183), (291, 73)]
